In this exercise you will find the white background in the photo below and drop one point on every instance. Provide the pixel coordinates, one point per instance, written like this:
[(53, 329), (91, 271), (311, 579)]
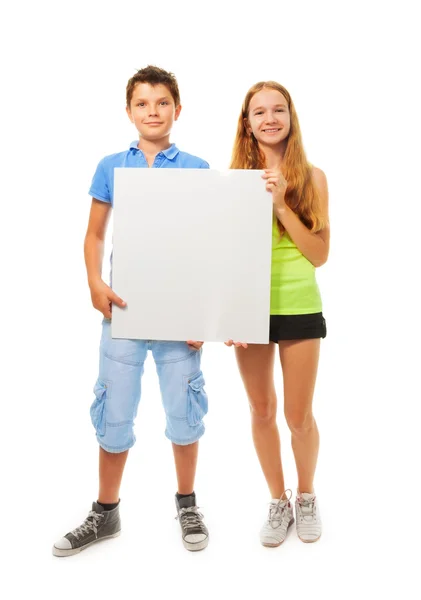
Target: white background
[(352, 71)]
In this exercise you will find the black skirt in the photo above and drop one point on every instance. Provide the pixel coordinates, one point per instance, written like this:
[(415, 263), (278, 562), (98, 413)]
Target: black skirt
[(297, 327)]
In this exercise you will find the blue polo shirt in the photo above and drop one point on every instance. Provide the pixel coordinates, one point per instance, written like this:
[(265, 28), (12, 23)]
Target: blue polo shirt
[(102, 187)]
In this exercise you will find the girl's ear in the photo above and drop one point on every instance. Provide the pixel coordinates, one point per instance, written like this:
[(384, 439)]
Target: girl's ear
[(247, 126)]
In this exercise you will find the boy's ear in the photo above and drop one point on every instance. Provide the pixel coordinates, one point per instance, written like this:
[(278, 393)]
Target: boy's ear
[(129, 113), (177, 112)]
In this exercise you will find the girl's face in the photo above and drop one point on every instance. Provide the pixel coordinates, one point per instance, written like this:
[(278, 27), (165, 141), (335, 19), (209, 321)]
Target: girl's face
[(152, 110), (268, 117)]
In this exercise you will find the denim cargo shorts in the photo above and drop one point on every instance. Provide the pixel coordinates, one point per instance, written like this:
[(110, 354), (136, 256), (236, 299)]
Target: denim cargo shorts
[(118, 388)]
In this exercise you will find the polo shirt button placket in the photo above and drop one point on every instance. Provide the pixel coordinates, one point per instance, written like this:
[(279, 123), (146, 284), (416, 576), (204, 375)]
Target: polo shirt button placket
[(158, 160)]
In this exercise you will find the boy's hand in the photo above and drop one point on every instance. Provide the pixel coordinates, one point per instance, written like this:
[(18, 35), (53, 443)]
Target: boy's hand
[(195, 345), (103, 297), (236, 344)]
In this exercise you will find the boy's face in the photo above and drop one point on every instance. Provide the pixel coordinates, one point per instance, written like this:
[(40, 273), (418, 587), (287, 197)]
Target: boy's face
[(152, 110)]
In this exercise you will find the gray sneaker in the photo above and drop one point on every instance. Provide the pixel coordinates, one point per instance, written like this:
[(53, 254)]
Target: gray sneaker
[(194, 532), (99, 525)]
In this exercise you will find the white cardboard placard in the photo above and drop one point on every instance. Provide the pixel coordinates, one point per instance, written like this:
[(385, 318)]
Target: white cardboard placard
[(192, 254)]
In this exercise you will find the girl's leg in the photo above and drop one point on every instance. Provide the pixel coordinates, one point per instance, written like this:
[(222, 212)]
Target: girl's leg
[(299, 359), (256, 368)]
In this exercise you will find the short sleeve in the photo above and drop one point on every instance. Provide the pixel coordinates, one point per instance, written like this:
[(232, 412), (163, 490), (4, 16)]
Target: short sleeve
[(204, 165), (99, 187)]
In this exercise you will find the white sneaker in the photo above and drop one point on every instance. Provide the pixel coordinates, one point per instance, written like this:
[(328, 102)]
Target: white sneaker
[(280, 518), (309, 524)]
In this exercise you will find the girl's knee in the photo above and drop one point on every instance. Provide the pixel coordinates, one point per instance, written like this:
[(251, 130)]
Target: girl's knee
[(263, 411), (300, 422)]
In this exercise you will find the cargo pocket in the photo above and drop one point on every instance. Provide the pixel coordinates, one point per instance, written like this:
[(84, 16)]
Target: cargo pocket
[(98, 407), (197, 405)]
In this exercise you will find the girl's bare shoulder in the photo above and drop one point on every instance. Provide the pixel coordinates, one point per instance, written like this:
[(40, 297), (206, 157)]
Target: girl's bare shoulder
[(318, 175)]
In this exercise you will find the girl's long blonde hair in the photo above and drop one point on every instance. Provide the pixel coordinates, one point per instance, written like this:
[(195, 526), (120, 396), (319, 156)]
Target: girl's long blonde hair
[(301, 195)]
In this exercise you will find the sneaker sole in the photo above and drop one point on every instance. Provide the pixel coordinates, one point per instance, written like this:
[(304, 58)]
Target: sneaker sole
[(310, 541), (197, 546), (267, 545), (71, 551)]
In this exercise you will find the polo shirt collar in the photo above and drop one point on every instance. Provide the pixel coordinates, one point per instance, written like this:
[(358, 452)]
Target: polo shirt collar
[(169, 153)]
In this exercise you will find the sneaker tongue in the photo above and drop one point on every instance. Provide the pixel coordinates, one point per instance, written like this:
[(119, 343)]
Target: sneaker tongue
[(97, 507), (307, 510), (187, 502), (280, 502), (307, 496)]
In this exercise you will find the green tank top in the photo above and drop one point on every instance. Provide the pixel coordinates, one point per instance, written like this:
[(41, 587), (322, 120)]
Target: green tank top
[(294, 289)]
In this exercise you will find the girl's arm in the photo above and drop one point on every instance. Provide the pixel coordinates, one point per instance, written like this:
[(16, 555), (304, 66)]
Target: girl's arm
[(314, 246)]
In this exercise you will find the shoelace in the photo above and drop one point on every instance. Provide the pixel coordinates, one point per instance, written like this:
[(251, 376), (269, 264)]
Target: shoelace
[(90, 524), (306, 508), (276, 511), (190, 518)]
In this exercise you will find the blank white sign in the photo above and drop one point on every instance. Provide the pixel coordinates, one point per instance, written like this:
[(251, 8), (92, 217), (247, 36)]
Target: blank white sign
[(192, 255)]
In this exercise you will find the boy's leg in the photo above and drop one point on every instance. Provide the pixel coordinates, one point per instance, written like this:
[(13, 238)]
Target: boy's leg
[(117, 394), (185, 403), (111, 467), (185, 458), (117, 397)]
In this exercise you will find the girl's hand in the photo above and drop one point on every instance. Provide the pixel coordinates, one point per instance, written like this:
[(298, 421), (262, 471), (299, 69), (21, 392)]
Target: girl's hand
[(277, 184), (195, 345), (103, 297), (236, 344)]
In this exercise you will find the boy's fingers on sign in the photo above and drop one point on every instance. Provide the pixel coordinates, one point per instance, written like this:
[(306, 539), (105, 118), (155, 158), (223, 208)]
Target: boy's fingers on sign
[(117, 300), (194, 344)]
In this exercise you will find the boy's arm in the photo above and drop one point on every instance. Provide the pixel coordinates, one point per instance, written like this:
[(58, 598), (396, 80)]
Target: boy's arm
[(94, 239), (102, 295)]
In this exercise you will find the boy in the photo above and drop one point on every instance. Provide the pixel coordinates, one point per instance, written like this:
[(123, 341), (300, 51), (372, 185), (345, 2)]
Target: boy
[(153, 104)]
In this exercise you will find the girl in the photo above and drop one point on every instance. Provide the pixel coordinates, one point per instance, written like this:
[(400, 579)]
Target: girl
[(268, 137)]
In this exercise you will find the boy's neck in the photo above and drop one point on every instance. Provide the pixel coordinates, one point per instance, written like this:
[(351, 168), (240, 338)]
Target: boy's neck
[(153, 147)]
